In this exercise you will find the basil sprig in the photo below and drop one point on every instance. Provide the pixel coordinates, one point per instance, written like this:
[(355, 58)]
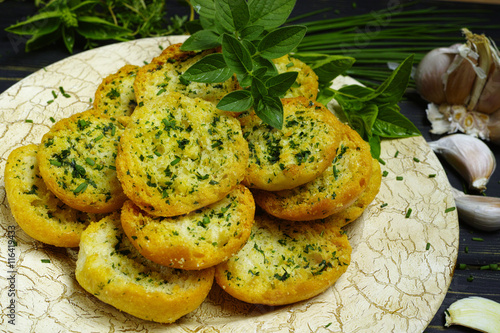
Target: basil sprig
[(251, 35), (374, 113)]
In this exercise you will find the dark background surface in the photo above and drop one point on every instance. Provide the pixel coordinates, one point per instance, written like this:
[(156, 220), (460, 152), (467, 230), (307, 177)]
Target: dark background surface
[(15, 65)]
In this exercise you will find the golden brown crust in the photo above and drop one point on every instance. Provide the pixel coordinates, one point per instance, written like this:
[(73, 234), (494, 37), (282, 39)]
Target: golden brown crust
[(36, 210), (162, 76), (77, 162), (285, 262), (306, 83), (115, 96), (197, 240), (111, 269), (298, 153), (334, 190), (177, 154), (355, 210)]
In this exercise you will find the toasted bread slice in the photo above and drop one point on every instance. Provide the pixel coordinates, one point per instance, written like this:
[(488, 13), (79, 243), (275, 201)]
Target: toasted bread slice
[(306, 84), (163, 76), (178, 154), (110, 268), (115, 96), (37, 210), (296, 154), (334, 190), (198, 240), (285, 262), (77, 162)]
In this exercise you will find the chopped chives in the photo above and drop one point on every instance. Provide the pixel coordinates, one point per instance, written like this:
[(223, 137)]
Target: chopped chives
[(157, 153), (55, 163), (174, 162), (52, 119), (381, 161), (466, 249), (29, 121), (397, 153), (477, 239), (484, 267), (447, 210), (385, 173), (54, 94), (50, 101), (45, 261), (383, 205), (399, 178), (432, 175), (462, 266), (470, 278), (90, 161), (416, 159), (428, 246), (82, 187), (408, 213)]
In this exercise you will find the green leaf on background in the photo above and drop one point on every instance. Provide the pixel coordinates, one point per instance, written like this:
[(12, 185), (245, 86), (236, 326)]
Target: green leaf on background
[(44, 21), (38, 41), (68, 36), (99, 29), (252, 32), (281, 41), (270, 110), (390, 123), (231, 15), (270, 14), (375, 147), (278, 85), (201, 40), (258, 88), (393, 89), (236, 55), (236, 101), (210, 69)]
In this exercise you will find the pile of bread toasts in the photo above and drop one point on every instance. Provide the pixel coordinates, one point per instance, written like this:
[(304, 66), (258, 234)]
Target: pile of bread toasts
[(164, 194)]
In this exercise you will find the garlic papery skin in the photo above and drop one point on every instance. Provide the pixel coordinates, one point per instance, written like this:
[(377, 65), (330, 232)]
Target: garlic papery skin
[(475, 312), (459, 79), (478, 211), (430, 71), (470, 156)]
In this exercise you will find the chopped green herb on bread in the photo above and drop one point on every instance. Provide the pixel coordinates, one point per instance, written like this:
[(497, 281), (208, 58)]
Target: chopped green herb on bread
[(110, 268)]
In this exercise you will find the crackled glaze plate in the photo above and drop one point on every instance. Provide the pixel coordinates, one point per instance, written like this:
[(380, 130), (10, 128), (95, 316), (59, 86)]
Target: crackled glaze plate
[(401, 267)]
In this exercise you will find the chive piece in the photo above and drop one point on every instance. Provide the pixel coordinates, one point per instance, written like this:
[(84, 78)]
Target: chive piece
[(416, 159), (466, 249), (90, 161), (61, 89), (327, 325), (470, 278), (494, 267), (432, 175), (383, 205), (55, 163), (50, 101), (447, 210), (99, 137), (290, 64), (428, 246), (81, 188), (477, 239), (29, 121), (157, 153), (408, 213), (399, 178), (385, 173), (174, 162), (397, 153), (462, 266), (54, 94), (484, 267), (52, 119), (381, 161), (45, 261)]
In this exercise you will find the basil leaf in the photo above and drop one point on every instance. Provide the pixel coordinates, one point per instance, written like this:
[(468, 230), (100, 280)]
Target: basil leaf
[(236, 101), (44, 21), (68, 36), (393, 88), (270, 14), (375, 147), (270, 110), (252, 32), (258, 88), (266, 63), (39, 40), (236, 55), (281, 41), (92, 27), (278, 85), (231, 15), (356, 91), (201, 40), (209, 69), (392, 124)]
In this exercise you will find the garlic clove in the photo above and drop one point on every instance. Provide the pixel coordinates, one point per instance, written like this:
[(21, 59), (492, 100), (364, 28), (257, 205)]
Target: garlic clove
[(460, 80), (429, 73), (489, 101), (494, 127), (470, 156), (480, 212), (475, 312)]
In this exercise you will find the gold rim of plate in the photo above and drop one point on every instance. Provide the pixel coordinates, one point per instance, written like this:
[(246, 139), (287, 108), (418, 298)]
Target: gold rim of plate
[(401, 265)]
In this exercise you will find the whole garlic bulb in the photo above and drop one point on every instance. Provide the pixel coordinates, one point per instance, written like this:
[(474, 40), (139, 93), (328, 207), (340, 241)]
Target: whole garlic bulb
[(465, 76)]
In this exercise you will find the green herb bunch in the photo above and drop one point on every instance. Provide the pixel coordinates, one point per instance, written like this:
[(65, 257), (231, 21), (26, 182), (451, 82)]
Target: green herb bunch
[(94, 21), (250, 36)]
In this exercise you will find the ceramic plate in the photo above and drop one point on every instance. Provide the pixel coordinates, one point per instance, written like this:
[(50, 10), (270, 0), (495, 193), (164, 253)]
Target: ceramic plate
[(401, 267)]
